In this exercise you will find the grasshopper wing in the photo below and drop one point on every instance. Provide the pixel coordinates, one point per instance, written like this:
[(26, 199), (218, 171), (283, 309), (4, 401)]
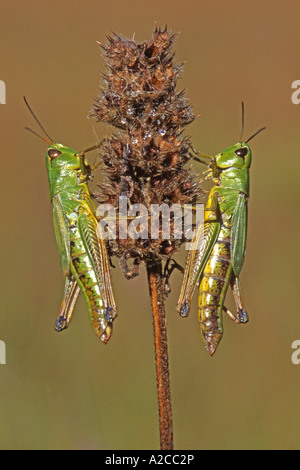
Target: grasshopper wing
[(202, 244), (239, 234), (62, 235), (97, 253)]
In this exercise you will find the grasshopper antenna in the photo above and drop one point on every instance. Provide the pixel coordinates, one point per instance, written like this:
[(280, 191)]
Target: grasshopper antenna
[(255, 134), (243, 121), (38, 135), (36, 119), (243, 125)]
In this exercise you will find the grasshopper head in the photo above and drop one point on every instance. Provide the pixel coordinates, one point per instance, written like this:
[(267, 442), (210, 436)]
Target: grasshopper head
[(230, 168), (237, 156), (60, 156), (62, 165)]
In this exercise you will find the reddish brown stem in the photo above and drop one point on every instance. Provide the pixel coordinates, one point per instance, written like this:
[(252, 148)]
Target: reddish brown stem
[(155, 281)]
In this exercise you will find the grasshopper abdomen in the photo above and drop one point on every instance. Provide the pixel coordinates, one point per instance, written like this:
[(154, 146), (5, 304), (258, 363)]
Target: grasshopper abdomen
[(212, 290)]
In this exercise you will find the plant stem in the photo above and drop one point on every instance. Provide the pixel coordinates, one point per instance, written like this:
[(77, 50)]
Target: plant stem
[(155, 281)]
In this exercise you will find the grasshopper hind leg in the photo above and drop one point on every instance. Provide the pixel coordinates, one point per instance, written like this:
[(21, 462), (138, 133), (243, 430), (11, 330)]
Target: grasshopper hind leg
[(241, 312), (184, 309), (241, 316), (109, 314), (71, 293)]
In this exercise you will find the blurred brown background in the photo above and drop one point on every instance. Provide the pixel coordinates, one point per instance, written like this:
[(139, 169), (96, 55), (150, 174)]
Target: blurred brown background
[(69, 391)]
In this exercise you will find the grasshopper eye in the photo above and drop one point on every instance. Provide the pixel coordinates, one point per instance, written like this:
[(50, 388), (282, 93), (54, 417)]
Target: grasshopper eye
[(54, 153), (242, 152)]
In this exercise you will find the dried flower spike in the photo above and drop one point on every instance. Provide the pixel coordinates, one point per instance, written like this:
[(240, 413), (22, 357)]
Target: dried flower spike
[(146, 160)]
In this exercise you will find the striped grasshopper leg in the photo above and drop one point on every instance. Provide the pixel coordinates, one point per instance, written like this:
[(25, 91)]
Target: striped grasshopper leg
[(242, 316), (85, 263), (71, 293)]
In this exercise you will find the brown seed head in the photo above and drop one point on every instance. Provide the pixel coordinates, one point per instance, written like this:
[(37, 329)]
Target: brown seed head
[(147, 159)]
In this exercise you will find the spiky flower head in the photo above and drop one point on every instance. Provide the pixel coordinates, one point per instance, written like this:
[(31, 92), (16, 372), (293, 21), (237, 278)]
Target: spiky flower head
[(146, 160)]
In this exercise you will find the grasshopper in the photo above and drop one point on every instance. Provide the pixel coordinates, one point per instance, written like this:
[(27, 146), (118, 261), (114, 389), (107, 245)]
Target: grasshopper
[(83, 255), (217, 257)]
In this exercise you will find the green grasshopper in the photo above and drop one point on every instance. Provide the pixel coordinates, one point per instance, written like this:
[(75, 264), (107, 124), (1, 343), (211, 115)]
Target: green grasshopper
[(83, 255), (219, 246)]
